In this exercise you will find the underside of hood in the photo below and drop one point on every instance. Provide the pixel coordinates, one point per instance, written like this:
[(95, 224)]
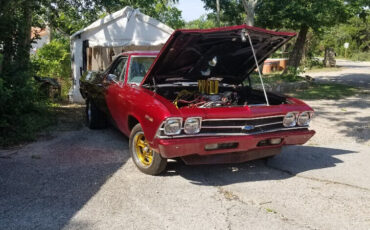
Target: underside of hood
[(191, 55)]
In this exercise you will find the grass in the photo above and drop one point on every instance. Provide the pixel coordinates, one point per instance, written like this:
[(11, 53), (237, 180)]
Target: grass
[(325, 91), (276, 78), (271, 210)]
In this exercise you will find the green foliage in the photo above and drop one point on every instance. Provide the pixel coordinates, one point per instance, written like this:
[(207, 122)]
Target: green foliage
[(362, 56), (232, 11), (326, 91), (169, 15), (202, 22), (276, 78), (302, 15), (293, 14), (54, 60), (356, 32), (22, 113), (71, 16)]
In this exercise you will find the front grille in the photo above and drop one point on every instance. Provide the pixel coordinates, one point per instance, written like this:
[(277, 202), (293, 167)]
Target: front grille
[(237, 127), (242, 125)]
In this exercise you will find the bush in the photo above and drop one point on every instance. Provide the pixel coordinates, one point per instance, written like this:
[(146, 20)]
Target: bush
[(54, 60), (22, 113), (364, 56)]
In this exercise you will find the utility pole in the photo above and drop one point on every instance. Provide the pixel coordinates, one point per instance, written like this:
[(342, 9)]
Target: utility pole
[(218, 12)]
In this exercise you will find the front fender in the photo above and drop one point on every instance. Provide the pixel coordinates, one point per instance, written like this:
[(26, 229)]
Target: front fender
[(150, 110)]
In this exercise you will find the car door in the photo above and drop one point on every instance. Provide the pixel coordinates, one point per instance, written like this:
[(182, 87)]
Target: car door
[(114, 90)]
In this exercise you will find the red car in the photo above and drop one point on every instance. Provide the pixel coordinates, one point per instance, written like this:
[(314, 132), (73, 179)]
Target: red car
[(194, 100)]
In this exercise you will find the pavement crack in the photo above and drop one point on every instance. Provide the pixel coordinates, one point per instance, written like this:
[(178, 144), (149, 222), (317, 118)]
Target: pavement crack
[(316, 179), (230, 196)]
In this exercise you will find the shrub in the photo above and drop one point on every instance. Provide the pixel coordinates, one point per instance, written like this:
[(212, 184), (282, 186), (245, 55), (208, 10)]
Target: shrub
[(361, 56), (54, 60), (22, 113)]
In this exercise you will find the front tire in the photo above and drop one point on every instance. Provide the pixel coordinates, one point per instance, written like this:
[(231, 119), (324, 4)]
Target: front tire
[(145, 158), (94, 117)]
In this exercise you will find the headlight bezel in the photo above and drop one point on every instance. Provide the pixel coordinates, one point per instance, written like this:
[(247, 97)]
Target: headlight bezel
[(171, 119), (307, 121), (293, 122), (189, 120)]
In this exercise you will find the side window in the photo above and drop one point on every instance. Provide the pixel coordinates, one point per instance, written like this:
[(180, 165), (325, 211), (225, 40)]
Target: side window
[(139, 66), (119, 69)]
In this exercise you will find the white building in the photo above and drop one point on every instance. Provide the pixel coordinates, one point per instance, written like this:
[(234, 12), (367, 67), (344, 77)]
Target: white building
[(94, 47)]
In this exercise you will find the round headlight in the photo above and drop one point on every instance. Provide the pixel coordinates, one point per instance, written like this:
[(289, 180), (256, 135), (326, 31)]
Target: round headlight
[(289, 120), (192, 125), (172, 126), (303, 119)]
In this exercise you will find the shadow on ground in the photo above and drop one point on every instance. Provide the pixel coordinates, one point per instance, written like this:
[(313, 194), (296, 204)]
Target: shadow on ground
[(296, 159), (352, 79), (349, 116), (44, 184)]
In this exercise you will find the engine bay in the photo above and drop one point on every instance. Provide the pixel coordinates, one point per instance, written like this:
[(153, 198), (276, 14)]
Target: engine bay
[(198, 100), (211, 93)]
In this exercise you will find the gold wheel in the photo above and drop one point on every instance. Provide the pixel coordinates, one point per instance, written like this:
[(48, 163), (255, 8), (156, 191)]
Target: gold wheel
[(145, 158), (143, 151)]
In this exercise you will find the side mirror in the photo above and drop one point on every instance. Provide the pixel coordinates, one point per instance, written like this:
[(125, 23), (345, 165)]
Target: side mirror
[(112, 78)]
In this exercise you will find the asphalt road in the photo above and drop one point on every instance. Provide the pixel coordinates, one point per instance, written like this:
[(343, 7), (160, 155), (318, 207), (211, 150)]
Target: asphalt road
[(84, 179), (352, 73)]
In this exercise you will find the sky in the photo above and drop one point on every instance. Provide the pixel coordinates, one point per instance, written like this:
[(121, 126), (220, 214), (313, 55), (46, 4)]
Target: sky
[(191, 9)]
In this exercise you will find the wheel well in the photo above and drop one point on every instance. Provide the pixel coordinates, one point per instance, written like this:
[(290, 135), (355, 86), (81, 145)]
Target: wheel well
[(132, 121)]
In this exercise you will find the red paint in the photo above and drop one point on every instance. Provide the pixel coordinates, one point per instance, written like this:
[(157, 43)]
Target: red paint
[(128, 100), (188, 146)]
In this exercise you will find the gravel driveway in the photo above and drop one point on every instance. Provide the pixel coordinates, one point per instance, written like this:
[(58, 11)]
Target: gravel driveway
[(84, 179)]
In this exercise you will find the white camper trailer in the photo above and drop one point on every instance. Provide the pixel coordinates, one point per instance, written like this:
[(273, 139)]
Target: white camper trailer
[(94, 47)]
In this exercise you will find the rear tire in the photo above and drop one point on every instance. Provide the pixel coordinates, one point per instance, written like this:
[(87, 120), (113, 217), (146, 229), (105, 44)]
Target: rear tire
[(146, 160), (95, 118)]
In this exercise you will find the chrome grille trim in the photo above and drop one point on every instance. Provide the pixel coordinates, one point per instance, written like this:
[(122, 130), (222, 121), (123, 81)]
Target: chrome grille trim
[(222, 127), (242, 119), (235, 127), (232, 134), (239, 127)]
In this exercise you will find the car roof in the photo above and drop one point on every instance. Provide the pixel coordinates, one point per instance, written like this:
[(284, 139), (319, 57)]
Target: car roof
[(142, 52)]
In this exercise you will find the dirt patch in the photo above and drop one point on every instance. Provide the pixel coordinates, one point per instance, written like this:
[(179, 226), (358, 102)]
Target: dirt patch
[(68, 117)]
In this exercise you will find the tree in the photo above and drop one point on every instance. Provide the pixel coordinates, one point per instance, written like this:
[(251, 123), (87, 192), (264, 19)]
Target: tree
[(231, 11), (234, 11), (356, 32), (301, 15), (19, 104), (203, 22), (70, 16), (249, 7), (54, 60)]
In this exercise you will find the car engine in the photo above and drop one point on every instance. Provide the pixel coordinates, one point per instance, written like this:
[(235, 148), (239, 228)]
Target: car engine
[(207, 96)]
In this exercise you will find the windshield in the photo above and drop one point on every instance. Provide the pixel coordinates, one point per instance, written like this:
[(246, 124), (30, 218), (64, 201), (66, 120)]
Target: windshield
[(139, 66)]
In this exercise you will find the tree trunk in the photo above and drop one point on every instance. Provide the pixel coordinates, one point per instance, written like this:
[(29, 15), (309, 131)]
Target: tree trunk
[(7, 33), (218, 12), (249, 7), (24, 37), (296, 55)]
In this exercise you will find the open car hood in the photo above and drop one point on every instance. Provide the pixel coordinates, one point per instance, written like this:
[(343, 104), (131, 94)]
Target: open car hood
[(191, 55)]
